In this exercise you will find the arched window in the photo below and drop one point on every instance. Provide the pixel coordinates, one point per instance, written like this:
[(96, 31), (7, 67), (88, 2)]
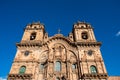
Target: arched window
[(42, 66), (63, 78), (57, 66), (93, 69), (84, 35), (32, 36), (22, 70), (57, 78)]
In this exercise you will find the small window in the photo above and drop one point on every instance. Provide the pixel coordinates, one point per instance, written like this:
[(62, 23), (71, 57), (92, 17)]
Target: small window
[(22, 70), (26, 53), (82, 26), (57, 66), (42, 66), (63, 78), (57, 78), (74, 66), (32, 36), (84, 35), (35, 27), (93, 69)]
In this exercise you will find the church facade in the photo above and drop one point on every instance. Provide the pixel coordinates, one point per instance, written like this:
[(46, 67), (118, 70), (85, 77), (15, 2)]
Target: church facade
[(75, 57)]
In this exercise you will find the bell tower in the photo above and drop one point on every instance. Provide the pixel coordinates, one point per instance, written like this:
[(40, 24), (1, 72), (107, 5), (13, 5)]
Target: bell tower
[(90, 57), (26, 58), (83, 32), (34, 32)]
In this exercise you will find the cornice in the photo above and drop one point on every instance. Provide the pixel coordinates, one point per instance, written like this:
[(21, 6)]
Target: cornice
[(88, 43), (56, 37), (19, 76), (95, 76), (34, 28), (94, 60), (28, 44), (26, 61)]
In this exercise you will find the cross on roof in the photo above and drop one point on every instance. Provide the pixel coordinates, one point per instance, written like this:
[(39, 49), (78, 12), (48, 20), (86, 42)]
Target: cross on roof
[(59, 31)]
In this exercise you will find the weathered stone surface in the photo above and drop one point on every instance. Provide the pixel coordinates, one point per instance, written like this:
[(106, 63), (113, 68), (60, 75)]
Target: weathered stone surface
[(75, 57)]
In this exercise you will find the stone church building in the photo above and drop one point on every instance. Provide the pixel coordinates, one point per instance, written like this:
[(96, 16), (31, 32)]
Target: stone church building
[(75, 57)]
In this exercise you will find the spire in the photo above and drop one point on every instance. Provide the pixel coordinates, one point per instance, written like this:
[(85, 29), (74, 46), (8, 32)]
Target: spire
[(59, 31)]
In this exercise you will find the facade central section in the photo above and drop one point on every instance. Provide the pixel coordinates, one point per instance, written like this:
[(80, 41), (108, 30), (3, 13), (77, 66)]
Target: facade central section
[(58, 61)]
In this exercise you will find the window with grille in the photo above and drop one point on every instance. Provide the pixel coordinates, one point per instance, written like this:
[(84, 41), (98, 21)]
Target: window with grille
[(22, 70), (93, 69), (32, 36), (57, 66)]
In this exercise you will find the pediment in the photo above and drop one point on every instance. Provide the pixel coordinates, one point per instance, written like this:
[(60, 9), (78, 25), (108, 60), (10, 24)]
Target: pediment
[(60, 37)]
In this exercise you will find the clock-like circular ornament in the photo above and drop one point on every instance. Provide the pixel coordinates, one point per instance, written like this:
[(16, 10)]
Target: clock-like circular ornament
[(90, 52), (26, 53)]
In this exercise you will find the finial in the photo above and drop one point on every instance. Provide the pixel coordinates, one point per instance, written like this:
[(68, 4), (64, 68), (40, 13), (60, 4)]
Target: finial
[(59, 31), (39, 22), (79, 21)]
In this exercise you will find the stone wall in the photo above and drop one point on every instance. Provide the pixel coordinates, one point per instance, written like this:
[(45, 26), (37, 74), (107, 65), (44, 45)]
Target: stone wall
[(114, 78)]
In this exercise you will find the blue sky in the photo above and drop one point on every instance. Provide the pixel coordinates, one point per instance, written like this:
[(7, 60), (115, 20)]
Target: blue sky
[(103, 15)]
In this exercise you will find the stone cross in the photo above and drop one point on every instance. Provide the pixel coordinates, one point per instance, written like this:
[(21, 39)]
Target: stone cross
[(59, 31)]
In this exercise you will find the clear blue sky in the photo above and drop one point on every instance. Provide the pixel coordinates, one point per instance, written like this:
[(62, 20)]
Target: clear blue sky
[(103, 15)]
